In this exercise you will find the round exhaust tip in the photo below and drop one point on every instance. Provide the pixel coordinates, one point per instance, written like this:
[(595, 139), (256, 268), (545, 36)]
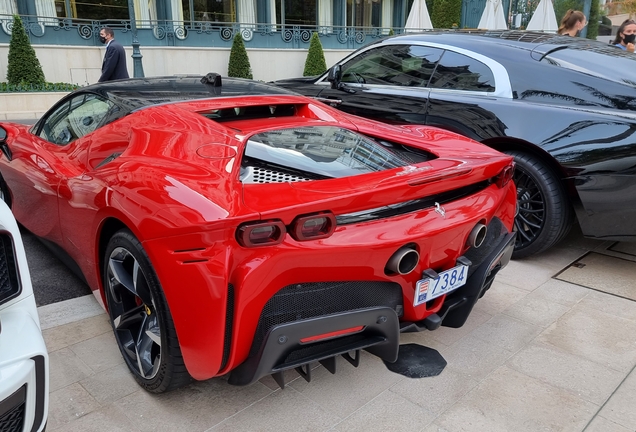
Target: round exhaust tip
[(403, 261), (477, 235)]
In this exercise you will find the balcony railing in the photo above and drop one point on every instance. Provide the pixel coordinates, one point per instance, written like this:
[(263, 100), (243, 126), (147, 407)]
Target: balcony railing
[(65, 31)]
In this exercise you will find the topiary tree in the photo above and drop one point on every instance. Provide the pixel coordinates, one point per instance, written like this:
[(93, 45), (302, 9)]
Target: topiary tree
[(446, 13), (315, 63), (239, 65), (595, 16), (23, 65)]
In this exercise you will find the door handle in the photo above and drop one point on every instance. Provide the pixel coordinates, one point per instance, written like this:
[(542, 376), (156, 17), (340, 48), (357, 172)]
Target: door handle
[(329, 101)]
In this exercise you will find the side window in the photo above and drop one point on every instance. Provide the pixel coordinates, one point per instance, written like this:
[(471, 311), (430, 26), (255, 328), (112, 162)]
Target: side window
[(78, 117), (459, 72), (399, 65)]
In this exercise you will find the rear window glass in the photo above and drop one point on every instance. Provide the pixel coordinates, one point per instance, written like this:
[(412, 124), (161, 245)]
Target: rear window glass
[(319, 152), (607, 62)]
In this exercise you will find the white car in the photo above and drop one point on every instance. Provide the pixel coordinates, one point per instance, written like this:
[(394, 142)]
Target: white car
[(24, 362)]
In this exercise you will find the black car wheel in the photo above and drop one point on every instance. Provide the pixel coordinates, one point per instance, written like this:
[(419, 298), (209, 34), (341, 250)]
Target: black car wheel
[(544, 216), (140, 317)]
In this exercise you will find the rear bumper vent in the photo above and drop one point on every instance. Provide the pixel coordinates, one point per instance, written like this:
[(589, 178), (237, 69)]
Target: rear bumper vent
[(9, 280)]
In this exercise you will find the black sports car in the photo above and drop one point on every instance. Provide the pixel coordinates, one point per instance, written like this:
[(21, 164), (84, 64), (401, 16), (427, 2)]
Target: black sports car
[(564, 107)]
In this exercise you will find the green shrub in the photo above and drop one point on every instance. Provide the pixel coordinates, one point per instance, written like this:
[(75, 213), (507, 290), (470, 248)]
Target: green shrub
[(592, 25), (239, 65), (23, 65), (391, 32), (44, 87), (446, 13), (315, 63)]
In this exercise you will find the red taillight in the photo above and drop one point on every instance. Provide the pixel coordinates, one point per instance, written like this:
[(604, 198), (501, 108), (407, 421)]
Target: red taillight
[(313, 227), (505, 175), (266, 233), (332, 334)]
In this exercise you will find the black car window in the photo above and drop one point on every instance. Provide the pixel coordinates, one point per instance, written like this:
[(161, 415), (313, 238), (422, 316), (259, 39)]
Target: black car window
[(399, 65), (79, 116), (606, 62), (459, 72)]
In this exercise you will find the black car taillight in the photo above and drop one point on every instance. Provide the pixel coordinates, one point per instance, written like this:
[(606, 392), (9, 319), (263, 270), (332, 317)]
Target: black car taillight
[(267, 233), (505, 175), (313, 227)]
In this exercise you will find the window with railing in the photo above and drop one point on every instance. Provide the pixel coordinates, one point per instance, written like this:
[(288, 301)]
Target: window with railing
[(222, 11), (84, 9), (364, 13), (296, 12)]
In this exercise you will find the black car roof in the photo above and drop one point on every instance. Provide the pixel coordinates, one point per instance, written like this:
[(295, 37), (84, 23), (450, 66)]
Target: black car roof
[(495, 43), (137, 93)]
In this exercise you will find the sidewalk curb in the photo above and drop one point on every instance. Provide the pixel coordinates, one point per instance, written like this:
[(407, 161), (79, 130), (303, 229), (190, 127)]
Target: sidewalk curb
[(69, 311)]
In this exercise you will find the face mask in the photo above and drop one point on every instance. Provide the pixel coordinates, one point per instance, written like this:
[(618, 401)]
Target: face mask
[(102, 39), (629, 38)]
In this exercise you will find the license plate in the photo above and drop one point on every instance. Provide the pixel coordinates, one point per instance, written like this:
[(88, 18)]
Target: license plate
[(447, 281)]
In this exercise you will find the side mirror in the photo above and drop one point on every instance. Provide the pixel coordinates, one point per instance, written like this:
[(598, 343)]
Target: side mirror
[(3, 134), (334, 76)]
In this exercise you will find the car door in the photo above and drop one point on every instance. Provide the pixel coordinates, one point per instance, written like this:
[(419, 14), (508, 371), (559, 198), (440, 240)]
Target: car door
[(463, 88), (386, 83), (44, 160)]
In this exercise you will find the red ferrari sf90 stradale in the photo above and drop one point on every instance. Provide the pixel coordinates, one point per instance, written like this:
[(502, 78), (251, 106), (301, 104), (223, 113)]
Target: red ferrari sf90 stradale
[(232, 227)]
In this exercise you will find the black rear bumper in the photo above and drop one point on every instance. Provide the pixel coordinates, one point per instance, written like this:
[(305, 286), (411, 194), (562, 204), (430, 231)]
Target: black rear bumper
[(282, 348)]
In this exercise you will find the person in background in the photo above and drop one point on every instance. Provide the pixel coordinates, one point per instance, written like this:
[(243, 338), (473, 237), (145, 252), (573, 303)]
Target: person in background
[(114, 64), (572, 23), (625, 35)]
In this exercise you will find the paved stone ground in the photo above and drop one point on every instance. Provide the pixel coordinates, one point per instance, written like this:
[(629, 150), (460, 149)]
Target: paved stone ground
[(537, 354)]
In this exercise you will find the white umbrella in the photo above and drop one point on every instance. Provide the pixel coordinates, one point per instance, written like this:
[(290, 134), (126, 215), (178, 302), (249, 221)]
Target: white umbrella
[(544, 18), (418, 17), (493, 16)]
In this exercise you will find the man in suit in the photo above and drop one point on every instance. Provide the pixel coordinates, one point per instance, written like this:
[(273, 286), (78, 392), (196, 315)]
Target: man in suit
[(114, 65)]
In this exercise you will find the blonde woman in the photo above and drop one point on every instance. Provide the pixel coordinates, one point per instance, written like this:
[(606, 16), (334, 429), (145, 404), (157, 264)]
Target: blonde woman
[(572, 23)]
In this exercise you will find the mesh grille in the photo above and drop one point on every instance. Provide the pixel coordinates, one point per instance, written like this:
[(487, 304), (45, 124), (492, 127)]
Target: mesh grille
[(9, 284), (12, 420), (267, 175), (302, 301)]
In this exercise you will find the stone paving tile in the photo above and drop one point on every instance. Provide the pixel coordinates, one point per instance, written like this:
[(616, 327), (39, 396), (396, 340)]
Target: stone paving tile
[(475, 357), (68, 404), (525, 274), (78, 331), (194, 408), (601, 424), (387, 412), (66, 368), (111, 384), (579, 376), (621, 408), (499, 297), (105, 419), (283, 410), (438, 393), (506, 332), (603, 338), (99, 353), (511, 401)]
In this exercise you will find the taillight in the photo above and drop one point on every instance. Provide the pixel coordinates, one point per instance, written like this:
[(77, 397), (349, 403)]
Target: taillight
[(266, 233), (313, 227), (505, 175)]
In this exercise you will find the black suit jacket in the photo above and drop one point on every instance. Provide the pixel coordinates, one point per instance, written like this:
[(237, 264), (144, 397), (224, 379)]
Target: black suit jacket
[(114, 65)]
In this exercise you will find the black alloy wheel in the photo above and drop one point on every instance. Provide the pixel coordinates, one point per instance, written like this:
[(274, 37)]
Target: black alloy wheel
[(544, 215), (140, 318)]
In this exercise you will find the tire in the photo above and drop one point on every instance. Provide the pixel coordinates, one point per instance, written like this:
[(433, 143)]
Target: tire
[(140, 316), (545, 214)]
